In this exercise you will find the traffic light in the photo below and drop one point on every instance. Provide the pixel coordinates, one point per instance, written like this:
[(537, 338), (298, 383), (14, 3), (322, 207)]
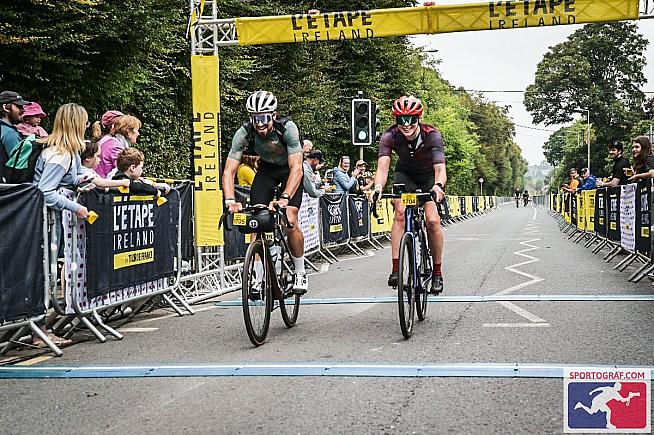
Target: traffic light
[(376, 134), (362, 121)]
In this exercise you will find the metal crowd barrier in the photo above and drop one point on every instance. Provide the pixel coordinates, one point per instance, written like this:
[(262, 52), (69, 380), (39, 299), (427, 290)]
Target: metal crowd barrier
[(615, 220), (199, 274)]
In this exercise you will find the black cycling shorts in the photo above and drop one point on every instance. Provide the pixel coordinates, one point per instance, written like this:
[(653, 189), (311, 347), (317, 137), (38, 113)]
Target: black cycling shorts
[(413, 183), (268, 177)]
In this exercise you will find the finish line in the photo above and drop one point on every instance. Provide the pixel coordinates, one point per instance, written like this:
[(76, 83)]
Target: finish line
[(468, 299), (517, 370)]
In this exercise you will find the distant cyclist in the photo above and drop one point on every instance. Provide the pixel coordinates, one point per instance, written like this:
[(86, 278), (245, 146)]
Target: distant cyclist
[(525, 197), (278, 145), (420, 165), (516, 196)]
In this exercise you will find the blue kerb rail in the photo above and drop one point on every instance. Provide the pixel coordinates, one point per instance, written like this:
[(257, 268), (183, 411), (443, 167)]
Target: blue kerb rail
[(468, 299), (515, 370)]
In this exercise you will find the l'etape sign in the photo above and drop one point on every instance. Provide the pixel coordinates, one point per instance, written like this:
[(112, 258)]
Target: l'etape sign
[(133, 240), (364, 24)]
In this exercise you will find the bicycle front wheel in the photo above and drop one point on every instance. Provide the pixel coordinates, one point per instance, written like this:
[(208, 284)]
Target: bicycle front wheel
[(256, 293), (405, 287), (425, 273)]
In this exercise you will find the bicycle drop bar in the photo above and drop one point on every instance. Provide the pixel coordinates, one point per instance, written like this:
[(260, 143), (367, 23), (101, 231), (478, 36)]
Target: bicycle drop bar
[(419, 195)]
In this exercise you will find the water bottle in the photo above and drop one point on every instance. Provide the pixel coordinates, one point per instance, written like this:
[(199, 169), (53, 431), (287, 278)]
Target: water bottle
[(276, 252)]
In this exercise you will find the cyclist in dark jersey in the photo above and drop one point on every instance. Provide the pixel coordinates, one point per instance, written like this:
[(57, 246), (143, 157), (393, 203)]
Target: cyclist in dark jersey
[(281, 163), (421, 165)]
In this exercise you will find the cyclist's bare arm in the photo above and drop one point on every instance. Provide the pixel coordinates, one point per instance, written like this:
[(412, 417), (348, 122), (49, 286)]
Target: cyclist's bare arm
[(295, 176), (440, 176), (231, 166), (381, 176)]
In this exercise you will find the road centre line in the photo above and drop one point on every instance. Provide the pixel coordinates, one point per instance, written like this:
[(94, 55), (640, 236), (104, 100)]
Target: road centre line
[(516, 325), (521, 312), (507, 370)]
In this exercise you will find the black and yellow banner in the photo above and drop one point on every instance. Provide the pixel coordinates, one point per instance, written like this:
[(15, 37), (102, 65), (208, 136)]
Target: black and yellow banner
[(206, 155), (133, 241), (336, 26)]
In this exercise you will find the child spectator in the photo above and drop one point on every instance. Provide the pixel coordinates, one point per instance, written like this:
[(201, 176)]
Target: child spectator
[(32, 121), (102, 133), (90, 159), (641, 149), (130, 167), (126, 132)]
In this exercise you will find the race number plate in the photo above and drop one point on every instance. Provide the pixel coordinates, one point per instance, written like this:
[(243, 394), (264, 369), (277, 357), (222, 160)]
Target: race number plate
[(240, 219), (409, 199)]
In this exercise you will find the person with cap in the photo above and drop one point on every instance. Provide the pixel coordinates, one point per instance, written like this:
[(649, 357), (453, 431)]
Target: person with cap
[(276, 141), (32, 121), (311, 181), (364, 179), (12, 106), (102, 133)]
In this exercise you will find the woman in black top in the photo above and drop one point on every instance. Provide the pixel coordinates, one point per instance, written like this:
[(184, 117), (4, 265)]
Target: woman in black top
[(641, 149)]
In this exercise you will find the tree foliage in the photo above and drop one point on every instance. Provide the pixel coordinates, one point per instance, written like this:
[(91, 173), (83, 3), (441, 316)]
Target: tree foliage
[(599, 68), (133, 56)]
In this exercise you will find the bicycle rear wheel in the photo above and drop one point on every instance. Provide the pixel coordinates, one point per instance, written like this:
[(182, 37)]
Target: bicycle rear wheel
[(405, 290), (289, 304), (256, 294), (425, 273)]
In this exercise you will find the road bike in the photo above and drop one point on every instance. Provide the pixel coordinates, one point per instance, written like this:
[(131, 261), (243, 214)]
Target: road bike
[(525, 199), (267, 270), (415, 268)]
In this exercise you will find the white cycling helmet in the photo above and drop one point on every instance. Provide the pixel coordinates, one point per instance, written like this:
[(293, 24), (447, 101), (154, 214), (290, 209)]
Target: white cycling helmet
[(261, 101)]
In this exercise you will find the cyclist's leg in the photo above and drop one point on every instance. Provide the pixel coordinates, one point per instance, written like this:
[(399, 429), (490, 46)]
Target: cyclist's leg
[(397, 229), (296, 238)]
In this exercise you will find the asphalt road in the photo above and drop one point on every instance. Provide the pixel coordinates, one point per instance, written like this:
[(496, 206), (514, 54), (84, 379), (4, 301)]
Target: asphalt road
[(510, 251)]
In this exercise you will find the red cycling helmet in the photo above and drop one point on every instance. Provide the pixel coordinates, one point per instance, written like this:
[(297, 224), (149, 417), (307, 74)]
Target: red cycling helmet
[(407, 106)]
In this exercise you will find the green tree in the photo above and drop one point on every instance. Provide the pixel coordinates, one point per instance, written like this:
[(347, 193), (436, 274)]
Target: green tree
[(599, 68)]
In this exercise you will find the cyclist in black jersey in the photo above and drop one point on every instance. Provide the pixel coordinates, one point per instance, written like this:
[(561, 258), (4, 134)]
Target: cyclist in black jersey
[(516, 196), (421, 165), (281, 163)]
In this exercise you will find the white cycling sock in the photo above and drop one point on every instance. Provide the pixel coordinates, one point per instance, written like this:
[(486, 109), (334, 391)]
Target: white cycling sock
[(298, 263)]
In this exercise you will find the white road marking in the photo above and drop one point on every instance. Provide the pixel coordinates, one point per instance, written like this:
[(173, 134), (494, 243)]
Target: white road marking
[(533, 218), (138, 329), (516, 325), (522, 312)]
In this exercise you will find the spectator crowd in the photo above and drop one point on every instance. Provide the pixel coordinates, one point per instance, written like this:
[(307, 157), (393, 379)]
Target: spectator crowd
[(622, 172)]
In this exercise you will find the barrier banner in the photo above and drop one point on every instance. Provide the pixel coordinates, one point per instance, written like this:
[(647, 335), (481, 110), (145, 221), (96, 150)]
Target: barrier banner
[(589, 209), (363, 24), (643, 221), (475, 204), (601, 218), (186, 197), (235, 242), (573, 210), (462, 205), (382, 223), (469, 204), (613, 219), (453, 203), (628, 217), (359, 216), (133, 240), (581, 212), (309, 220), (333, 211), (21, 249), (206, 150)]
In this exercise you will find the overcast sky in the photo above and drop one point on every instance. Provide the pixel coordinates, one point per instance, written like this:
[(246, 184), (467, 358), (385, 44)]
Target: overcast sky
[(507, 60)]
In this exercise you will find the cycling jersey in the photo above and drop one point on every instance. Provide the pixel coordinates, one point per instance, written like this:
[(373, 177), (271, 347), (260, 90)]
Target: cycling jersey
[(417, 157), (270, 149)]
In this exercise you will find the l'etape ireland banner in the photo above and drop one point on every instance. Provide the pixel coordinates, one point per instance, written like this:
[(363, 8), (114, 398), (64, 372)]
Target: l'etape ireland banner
[(362, 24), (133, 240), (309, 221), (206, 154), (333, 212)]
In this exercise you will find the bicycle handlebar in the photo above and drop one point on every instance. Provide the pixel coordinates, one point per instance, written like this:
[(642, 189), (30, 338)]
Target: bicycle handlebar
[(431, 194)]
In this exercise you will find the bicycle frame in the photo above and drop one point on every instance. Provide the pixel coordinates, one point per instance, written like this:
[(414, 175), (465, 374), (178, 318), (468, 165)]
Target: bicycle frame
[(412, 216)]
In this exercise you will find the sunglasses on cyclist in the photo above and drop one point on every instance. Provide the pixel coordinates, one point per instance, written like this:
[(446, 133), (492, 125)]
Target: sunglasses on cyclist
[(406, 120), (261, 118)]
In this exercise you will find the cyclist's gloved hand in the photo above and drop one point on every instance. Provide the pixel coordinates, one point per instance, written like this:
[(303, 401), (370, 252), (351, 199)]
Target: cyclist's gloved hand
[(376, 193)]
